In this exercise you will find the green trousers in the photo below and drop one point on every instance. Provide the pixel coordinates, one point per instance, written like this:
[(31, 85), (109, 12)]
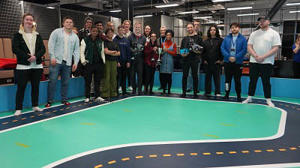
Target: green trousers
[(110, 79)]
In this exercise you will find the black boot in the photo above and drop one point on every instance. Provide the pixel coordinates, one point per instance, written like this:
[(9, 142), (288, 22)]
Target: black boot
[(195, 94), (151, 92), (183, 95), (239, 98), (226, 97), (164, 92)]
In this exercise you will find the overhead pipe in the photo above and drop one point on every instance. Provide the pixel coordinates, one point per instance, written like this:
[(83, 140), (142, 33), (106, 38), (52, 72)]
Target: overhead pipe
[(275, 9)]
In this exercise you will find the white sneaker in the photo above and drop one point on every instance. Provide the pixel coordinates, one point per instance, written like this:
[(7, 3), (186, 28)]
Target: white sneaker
[(248, 100), (86, 100), (270, 104), (99, 99), (37, 109), (218, 95), (120, 89), (130, 88), (18, 112)]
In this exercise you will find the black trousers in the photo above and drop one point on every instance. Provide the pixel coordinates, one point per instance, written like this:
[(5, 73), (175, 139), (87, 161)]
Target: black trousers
[(166, 79), (296, 68), (260, 70), (212, 70), (233, 70), (128, 76), (97, 71), (122, 73), (160, 78), (136, 68), (149, 77), (186, 66), (80, 71), (22, 77)]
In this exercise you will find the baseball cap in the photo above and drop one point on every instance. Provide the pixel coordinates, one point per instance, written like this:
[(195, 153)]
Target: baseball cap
[(262, 17)]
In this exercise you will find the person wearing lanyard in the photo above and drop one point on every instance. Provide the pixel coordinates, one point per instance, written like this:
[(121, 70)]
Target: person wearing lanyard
[(137, 44), (234, 49)]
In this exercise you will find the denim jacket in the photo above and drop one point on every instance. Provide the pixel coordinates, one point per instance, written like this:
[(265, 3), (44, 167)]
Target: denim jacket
[(56, 46)]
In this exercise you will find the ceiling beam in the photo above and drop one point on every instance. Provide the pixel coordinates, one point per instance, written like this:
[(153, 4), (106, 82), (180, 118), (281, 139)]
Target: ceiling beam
[(275, 8)]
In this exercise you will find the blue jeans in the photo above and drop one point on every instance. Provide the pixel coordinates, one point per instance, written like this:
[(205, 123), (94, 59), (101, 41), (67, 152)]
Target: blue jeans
[(64, 71)]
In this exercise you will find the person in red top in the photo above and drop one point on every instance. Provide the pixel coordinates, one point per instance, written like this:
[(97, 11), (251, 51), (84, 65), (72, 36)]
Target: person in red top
[(169, 50), (151, 56)]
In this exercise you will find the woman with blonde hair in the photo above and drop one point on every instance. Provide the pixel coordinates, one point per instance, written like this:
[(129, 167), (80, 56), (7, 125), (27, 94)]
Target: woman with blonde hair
[(29, 48), (296, 50)]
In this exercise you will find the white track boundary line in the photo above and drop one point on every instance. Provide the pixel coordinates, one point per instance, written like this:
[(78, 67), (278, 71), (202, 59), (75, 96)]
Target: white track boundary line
[(279, 134)]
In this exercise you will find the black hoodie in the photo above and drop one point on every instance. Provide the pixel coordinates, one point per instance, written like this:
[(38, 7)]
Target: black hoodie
[(212, 50)]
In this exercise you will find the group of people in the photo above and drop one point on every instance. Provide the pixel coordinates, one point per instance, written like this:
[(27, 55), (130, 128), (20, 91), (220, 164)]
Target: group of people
[(123, 58)]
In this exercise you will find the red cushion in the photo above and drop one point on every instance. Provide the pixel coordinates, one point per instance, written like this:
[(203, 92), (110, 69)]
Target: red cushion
[(7, 63)]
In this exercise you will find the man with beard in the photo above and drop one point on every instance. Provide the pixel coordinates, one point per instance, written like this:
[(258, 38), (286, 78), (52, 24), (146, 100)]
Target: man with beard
[(137, 43), (190, 58), (234, 49), (262, 45)]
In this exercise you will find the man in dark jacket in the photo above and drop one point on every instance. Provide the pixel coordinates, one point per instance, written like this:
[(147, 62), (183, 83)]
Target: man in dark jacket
[(234, 48), (86, 30), (137, 43), (212, 59), (191, 48), (197, 26), (100, 27), (124, 59), (83, 33)]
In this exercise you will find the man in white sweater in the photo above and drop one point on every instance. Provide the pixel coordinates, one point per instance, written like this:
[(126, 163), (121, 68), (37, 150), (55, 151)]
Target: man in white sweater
[(263, 45)]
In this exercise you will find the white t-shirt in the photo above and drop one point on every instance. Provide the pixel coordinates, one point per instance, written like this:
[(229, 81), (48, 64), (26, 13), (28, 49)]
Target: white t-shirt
[(262, 42), (31, 47), (127, 34), (29, 37), (66, 47), (114, 36)]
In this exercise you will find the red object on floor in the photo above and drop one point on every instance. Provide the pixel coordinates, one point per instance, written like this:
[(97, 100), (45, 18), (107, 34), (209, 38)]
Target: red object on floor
[(8, 63), (48, 105), (66, 103), (245, 71)]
